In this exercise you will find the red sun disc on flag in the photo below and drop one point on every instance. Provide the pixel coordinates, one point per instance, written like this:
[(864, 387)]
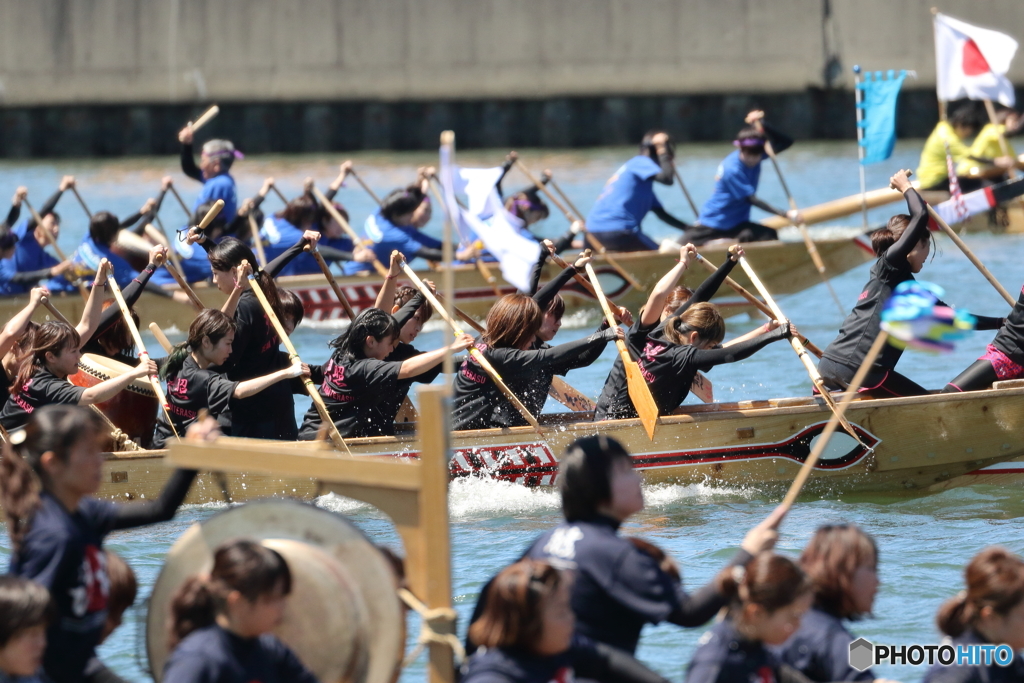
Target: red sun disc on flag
[(974, 62)]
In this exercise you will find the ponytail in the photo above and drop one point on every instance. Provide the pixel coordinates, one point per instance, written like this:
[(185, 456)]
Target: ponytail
[(241, 565), (372, 322), (50, 337), (210, 323), (994, 578), (53, 428), (702, 318), (885, 237), (229, 254), (771, 581)]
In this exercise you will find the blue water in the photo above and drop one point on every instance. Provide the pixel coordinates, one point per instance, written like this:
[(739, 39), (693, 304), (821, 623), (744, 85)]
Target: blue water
[(924, 541)]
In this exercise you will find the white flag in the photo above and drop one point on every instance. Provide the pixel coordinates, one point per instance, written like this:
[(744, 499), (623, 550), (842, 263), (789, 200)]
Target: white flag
[(972, 62), (487, 220)]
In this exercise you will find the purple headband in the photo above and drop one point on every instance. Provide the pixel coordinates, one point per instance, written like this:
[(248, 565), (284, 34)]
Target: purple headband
[(527, 203), (749, 142)]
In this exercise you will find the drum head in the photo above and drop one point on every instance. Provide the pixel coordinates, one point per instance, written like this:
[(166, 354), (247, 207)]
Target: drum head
[(343, 618), (102, 368)]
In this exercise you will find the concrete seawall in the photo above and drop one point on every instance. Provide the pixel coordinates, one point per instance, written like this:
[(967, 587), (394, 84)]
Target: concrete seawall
[(111, 77)]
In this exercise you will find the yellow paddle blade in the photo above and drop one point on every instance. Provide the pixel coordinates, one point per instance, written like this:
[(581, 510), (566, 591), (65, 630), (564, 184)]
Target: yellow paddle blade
[(639, 392)]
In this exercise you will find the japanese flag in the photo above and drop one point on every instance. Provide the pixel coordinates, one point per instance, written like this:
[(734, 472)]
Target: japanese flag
[(972, 62)]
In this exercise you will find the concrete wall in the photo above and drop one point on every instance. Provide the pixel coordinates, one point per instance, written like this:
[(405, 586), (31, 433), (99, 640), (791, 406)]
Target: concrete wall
[(115, 77), (159, 51)]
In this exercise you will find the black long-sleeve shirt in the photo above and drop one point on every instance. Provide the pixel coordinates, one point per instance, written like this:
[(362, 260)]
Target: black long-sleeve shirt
[(188, 163), (614, 402), (480, 404)]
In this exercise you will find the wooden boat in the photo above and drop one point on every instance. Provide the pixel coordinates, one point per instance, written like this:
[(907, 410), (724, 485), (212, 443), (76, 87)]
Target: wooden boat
[(755, 444), (783, 266)]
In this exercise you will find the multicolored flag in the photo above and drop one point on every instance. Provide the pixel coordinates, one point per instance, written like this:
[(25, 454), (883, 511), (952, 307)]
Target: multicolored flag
[(915, 318)]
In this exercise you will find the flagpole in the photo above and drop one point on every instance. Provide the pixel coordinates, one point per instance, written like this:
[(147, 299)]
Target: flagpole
[(859, 94), (935, 34)]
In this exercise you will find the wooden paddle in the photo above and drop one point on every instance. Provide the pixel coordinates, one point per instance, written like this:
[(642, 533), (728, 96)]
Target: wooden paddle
[(172, 254), (573, 216), (257, 241), (318, 401), (475, 353), (760, 305), (280, 195), (682, 186), (193, 298), (970, 256), (798, 347), (82, 202), (326, 270), (356, 239), (639, 392), (143, 354), (622, 313), (57, 315), (181, 202), (812, 249), (205, 118), (822, 443), (161, 337), (485, 271), (560, 390), (366, 187), (837, 208), (53, 243), (701, 386)]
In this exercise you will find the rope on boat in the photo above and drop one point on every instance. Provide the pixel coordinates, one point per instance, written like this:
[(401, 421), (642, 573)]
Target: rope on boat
[(442, 617), (120, 439)]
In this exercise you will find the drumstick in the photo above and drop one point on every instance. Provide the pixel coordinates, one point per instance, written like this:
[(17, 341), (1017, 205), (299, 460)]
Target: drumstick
[(280, 195), (161, 337), (206, 117), (143, 354), (318, 401), (45, 301)]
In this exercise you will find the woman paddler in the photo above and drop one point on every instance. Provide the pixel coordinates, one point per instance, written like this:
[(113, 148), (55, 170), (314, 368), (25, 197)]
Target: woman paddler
[(192, 386), (902, 248), (1003, 358), (42, 370), (254, 352), (663, 341), (357, 377), (621, 583), (112, 337), (509, 345), (57, 527)]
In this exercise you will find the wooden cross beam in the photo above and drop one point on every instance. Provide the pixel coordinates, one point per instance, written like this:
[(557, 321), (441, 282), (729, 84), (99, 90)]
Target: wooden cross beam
[(413, 493)]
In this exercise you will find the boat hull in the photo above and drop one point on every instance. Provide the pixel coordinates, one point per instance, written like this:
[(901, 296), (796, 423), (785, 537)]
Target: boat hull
[(784, 267), (914, 445)]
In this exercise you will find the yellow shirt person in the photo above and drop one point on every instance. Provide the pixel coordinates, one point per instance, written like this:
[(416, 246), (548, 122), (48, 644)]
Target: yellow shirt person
[(985, 146), (931, 170)]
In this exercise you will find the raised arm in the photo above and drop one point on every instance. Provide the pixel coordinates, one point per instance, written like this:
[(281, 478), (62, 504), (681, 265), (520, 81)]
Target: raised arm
[(94, 305), (133, 290), (15, 212), (15, 327), (310, 237), (659, 294), (707, 289), (188, 162), (918, 226), (386, 296), (547, 293)]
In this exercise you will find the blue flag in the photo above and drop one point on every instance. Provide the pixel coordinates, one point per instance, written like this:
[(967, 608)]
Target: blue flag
[(879, 120)]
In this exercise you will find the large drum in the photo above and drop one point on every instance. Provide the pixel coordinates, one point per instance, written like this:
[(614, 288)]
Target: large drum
[(132, 410), (343, 618)]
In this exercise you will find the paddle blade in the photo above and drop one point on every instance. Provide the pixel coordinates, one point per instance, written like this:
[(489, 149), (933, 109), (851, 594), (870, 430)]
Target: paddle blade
[(639, 393)]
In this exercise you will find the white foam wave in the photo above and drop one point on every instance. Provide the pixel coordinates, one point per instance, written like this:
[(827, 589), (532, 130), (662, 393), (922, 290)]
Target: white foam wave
[(340, 504), (665, 495), (477, 496)]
